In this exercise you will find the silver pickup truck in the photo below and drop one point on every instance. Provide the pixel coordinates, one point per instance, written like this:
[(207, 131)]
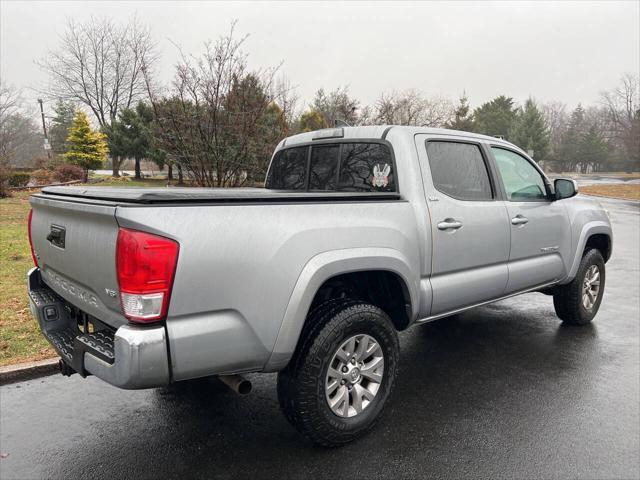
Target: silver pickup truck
[(360, 233)]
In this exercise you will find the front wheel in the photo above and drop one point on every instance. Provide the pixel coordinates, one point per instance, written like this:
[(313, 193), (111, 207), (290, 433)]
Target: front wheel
[(340, 377), (577, 302)]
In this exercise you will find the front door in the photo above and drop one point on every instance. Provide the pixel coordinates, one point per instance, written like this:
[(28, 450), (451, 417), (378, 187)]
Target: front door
[(540, 233), (470, 227)]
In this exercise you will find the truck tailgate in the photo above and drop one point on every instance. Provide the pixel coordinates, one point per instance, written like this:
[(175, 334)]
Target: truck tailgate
[(75, 244)]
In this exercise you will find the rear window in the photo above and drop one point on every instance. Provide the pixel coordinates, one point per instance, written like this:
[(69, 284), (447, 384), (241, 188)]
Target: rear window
[(366, 167), (458, 170), (346, 167), (288, 169), (324, 167)]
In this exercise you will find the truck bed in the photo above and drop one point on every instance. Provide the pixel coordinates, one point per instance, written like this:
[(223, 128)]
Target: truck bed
[(144, 195)]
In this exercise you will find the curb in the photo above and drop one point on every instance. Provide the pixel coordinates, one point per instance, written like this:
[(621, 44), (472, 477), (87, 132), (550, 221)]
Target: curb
[(28, 371)]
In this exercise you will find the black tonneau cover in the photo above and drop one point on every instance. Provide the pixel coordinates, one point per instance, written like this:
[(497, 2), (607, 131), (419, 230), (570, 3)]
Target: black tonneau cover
[(211, 195)]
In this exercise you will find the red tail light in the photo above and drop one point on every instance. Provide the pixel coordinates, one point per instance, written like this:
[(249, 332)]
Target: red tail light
[(145, 264), (33, 254)]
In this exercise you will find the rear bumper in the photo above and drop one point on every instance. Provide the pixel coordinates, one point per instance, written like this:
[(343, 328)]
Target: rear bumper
[(131, 357)]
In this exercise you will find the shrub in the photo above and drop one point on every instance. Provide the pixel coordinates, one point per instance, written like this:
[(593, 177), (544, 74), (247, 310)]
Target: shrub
[(41, 176), (67, 173), (19, 179)]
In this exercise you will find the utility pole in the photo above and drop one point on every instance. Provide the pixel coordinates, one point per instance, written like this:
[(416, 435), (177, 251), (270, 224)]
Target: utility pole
[(47, 147)]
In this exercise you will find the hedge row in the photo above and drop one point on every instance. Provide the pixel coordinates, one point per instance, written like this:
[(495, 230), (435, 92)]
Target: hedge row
[(62, 173), (19, 179)]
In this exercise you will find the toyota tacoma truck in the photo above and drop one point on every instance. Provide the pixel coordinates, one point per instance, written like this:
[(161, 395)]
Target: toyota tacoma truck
[(360, 232)]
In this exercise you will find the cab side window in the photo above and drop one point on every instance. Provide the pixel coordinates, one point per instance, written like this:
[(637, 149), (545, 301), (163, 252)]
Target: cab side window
[(522, 181), (458, 170)]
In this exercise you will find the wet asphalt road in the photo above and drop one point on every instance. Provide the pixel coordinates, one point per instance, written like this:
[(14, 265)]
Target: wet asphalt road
[(503, 391)]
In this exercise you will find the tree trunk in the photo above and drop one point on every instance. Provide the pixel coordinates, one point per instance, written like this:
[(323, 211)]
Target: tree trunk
[(138, 176), (170, 172), (85, 178), (180, 177), (115, 166)]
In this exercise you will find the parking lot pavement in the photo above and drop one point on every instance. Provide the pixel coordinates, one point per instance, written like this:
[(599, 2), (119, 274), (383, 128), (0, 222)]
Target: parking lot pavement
[(500, 391)]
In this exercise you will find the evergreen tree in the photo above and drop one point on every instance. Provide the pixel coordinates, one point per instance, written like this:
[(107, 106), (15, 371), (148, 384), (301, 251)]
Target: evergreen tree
[(568, 154), (272, 126), (593, 150), (530, 131), (131, 136), (463, 120), (495, 117), (117, 143), (259, 121), (87, 147), (312, 120), (137, 125), (60, 124)]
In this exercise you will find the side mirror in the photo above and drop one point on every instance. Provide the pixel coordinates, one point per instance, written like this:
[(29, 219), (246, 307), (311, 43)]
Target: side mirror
[(565, 188)]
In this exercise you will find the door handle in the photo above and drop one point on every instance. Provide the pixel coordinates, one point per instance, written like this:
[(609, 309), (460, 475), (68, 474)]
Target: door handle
[(519, 220), (449, 223)]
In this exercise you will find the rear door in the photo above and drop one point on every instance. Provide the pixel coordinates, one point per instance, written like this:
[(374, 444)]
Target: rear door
[(470, 227), (540, 233)]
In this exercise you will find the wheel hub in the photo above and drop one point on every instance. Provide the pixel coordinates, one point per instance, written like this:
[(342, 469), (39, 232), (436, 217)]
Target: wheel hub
[(591, 287), (354, 375)]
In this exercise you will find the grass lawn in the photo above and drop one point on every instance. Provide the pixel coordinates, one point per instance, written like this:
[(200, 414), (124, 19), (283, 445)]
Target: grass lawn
[(20, 337), (617, 190)]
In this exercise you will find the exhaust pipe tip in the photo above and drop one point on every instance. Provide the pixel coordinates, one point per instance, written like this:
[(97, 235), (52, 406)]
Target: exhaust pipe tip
[(238, 384), (245, 387)]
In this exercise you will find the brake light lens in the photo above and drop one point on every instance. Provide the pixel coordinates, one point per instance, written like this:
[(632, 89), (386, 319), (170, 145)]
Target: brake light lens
[(146, 265), (33, 253)]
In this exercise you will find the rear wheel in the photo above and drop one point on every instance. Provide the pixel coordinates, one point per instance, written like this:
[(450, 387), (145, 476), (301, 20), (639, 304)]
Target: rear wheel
[(340, 377), (577, 302)]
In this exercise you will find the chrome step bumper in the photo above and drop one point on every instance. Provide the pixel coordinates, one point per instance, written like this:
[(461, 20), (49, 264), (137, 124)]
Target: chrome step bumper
[(130, 357)]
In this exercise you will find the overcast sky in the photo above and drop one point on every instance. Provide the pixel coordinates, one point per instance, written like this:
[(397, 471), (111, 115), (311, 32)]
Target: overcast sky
[(566, 51)]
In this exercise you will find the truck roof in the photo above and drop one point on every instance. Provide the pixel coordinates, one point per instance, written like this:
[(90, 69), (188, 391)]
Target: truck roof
[(380, 131)]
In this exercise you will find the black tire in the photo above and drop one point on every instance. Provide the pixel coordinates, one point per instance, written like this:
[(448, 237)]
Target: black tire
[(301, 385), (567, 299)]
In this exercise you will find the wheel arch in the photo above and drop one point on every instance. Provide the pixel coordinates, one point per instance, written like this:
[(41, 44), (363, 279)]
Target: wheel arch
[(383, 267), (597, 235), (601, 242)]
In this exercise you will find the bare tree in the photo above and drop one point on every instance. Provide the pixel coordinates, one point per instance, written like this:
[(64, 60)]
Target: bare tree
[(20, 137), (9, 100), (337, 105), (9, 105), (219, 121), (623, 108), (556, 117), (287, 98), (411, 107), (99, 64)]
